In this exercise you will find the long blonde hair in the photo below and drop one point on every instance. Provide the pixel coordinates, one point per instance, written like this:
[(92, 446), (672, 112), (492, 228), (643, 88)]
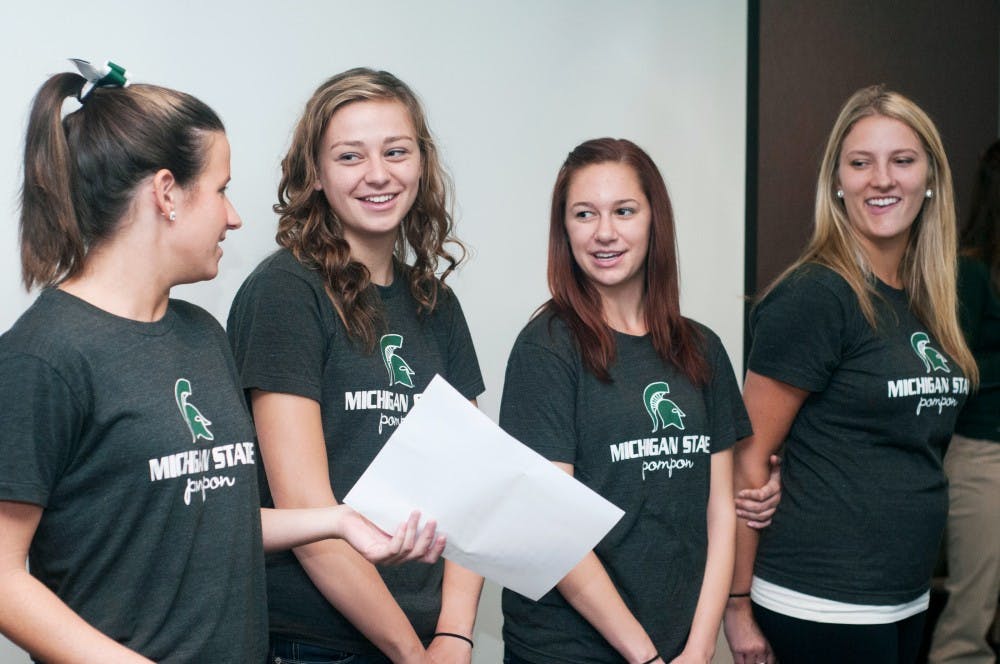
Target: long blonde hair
[(928, 268)]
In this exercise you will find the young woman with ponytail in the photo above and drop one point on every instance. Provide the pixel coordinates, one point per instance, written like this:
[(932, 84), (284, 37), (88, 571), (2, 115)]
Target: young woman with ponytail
[(128, 467)]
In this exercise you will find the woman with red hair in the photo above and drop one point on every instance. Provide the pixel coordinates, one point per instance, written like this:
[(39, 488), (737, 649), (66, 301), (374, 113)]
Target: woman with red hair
[(612, 384)]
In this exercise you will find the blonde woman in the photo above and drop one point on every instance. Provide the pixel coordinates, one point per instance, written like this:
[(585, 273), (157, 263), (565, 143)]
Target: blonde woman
[(858, 369)]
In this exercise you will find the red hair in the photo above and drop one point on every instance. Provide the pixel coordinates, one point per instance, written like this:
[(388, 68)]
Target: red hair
[(577, 302)]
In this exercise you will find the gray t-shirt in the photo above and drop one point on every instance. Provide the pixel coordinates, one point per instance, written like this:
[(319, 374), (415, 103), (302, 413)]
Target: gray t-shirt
[(643, 442), (864, 496), (288, 338), (135, 440)]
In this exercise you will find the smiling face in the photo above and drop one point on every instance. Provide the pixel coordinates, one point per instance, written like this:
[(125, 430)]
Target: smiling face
[(607, 222), (882, 170), (369, 169), (204, 214)]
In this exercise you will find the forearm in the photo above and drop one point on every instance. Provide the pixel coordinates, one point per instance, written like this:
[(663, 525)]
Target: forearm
[(289, 528), (719, 562), (35, 619), (590, 591), (773, 407), (355, 589), (460, 593), (751, 470)]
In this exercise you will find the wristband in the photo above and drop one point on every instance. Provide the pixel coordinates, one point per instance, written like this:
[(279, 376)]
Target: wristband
[(455, 636), (732, 595), (650, 661)]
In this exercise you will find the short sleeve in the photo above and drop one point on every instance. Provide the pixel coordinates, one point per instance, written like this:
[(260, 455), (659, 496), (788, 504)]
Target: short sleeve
[(798, 332), (464, 373), (727, 414), (538, 406), (40, 425), (277, 333)]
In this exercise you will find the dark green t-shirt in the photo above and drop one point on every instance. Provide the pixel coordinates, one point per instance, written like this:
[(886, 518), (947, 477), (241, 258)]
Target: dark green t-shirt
[(643, 441), (979, 311), (864, 497), (288, 338), (136, 441)]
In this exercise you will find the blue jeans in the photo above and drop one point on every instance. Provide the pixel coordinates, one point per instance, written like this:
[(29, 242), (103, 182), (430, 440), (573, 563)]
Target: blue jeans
[(287, 651)]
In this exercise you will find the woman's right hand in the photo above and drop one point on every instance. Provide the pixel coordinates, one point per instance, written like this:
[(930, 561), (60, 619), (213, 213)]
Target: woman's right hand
[(744, 636), (409, 542), (757, 506)]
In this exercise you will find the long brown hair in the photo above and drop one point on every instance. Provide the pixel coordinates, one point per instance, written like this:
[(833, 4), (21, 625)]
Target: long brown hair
[(309, 228), (928, 268), (80, 171), (981, 234), (575, 299)]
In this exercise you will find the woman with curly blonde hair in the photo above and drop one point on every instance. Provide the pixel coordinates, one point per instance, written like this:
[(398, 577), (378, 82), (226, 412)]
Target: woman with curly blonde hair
[(335, 335)]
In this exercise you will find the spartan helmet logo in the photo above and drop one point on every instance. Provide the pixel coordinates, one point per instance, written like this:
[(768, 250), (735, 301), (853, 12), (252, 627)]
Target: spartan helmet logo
[(400, 372), (197, 423), (932, 358), (664, 412)]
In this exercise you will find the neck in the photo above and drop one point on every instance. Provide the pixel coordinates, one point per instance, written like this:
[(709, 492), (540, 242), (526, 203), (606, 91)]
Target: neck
[(625, 310), (376, 255), (121, 282), (885, 263)]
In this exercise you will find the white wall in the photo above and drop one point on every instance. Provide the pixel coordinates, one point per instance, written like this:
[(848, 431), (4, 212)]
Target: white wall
[(510, 87)]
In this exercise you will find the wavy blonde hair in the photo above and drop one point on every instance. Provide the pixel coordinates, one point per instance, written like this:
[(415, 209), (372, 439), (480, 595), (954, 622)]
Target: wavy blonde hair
[(928, 268), (311, 230)]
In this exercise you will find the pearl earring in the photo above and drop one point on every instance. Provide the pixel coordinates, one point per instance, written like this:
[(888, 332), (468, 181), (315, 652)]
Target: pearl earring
[(172, 216), (929, 193), (840, 193)]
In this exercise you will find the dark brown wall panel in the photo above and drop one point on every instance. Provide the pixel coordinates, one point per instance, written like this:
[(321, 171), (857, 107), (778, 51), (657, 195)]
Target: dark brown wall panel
[(811, 55)]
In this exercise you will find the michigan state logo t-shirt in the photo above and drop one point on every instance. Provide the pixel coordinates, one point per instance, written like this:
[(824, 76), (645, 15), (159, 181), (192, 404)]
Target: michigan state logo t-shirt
[(864, 496)]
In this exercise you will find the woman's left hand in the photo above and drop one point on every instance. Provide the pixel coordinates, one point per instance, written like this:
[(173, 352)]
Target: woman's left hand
[(410, 541)]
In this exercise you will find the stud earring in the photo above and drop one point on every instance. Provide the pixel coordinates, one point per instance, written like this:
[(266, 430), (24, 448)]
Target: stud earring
[(172, 216), (840, 193), (929, 193)]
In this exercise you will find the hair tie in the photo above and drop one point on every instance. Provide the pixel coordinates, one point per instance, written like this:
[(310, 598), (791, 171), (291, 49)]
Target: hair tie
[(108, 75)]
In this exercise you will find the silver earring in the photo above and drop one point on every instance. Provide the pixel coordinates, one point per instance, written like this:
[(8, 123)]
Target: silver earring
[(840, 193), (929, 193), (172, 216)]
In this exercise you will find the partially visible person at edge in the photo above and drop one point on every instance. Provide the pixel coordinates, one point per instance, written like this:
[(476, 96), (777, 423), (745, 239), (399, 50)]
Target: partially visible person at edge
[(973, 459), (858, 368), (335, 335), (127, 455), (610, 359)]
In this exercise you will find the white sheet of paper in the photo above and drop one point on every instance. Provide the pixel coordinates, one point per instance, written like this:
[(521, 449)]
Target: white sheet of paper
[(508, 513)]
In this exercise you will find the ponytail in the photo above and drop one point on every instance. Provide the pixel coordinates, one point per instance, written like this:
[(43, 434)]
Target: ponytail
[(51, 243), (81, 170)]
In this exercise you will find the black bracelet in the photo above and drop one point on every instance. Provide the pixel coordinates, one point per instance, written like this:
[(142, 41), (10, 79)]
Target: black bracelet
[(455, 636), (650, 661), (731, 595)]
